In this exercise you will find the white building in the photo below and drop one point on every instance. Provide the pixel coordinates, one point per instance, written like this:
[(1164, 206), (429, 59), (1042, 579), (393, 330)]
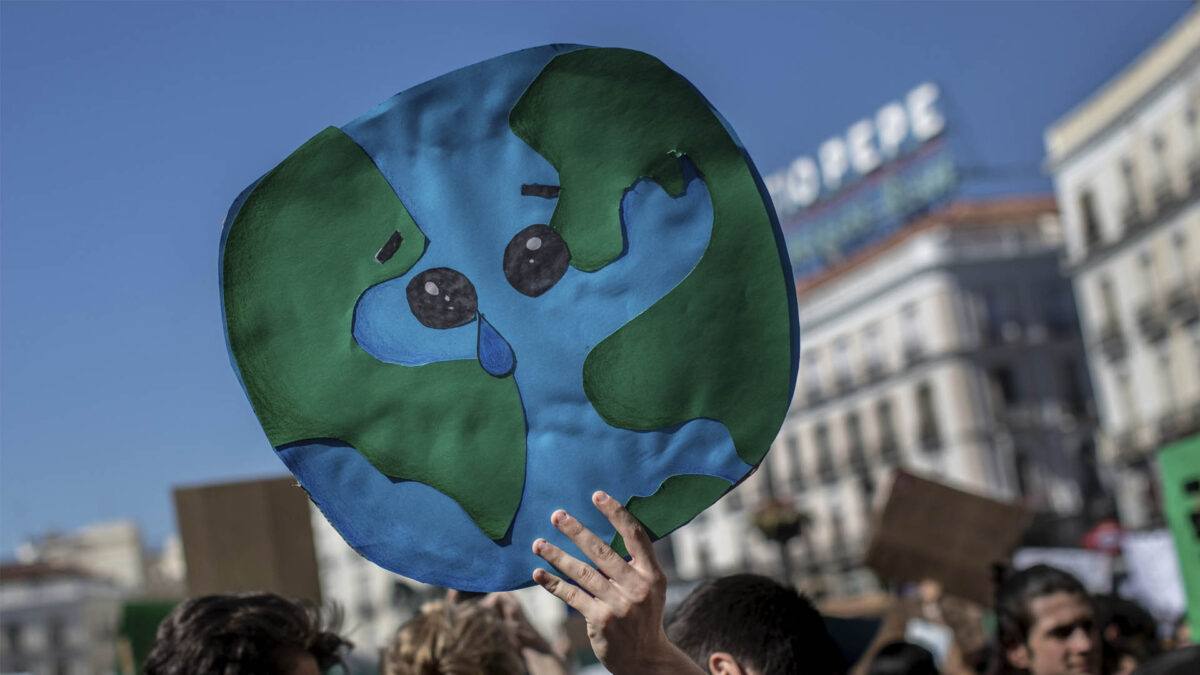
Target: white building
[(1126, 166), (951, 349), (111, 550), (57, 620)]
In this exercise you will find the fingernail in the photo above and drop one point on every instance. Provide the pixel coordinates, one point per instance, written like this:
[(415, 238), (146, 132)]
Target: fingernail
[(538, 545), (558, 517), (600, 497)]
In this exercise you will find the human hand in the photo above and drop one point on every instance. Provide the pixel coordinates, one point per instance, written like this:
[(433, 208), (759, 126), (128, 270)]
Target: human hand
[(622, 601)]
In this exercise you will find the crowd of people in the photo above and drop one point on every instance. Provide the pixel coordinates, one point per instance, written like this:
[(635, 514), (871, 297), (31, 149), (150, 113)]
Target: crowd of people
[(746, 624)]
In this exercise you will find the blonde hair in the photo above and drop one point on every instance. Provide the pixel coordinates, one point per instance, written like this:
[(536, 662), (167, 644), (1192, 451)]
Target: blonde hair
[(453, 639)]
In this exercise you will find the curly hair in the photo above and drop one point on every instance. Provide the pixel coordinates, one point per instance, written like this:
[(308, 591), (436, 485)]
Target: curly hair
[(242, 633), (453, 639)]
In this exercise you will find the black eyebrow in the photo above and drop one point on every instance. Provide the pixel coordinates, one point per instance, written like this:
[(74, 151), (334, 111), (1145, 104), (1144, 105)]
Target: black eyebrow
[(389, 247), (535, 190)]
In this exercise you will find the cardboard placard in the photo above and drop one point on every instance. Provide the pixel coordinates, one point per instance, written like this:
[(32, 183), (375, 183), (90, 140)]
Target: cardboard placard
[(928, 530)]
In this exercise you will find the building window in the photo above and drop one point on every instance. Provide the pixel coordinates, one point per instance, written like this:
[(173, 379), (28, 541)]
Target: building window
[(888, 447), (842, 367), (12, 638), (1073, 396), (874, 350), (928, 434), (911, 331), (824, 452), (858, 457), (812, 379), (1108, 301), (1003, 386), (795, 472), (1087, 214)]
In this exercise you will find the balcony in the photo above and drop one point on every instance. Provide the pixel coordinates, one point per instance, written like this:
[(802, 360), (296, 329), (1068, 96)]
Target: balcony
[(1164, 195), (845, 383), (875, 370), (914, 353), (1131, 216), (1151, 321), (826, 471), (1178, 425), (889, 450), (1182, 304), (929, 438), (858, 458), (1112, 341)]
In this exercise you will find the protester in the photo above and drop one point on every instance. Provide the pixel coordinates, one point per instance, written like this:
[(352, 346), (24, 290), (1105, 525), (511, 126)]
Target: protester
[(244, 634), (902, 658), (1045, 624), (748, 623), (741, 625)]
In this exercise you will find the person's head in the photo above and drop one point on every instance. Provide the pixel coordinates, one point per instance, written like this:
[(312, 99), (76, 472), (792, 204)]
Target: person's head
[(247, 633), (453, 639), (1129, 633), (750, 625), (1045, 624), (902, 658)]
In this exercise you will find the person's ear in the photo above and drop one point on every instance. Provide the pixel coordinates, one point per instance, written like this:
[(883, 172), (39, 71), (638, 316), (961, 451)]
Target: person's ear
[(1018, 656), (723, 663)]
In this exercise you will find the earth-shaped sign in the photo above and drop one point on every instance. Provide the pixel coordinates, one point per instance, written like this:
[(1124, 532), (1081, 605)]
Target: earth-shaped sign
[(546, 274)]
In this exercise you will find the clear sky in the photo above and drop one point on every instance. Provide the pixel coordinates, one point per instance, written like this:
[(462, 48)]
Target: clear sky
[(127, 129)]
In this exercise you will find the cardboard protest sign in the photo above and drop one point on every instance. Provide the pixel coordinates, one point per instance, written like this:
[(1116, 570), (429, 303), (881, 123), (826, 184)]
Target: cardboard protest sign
[(928, 530), (1179, 464), (546, 274)]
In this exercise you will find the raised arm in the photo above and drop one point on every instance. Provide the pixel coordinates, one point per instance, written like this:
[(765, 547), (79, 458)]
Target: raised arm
[(621, 601)]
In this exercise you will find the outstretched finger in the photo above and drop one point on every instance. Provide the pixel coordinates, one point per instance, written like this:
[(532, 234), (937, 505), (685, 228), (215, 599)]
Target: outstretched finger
[(611, 564), (575, 569), (637, 542), (572, 595)]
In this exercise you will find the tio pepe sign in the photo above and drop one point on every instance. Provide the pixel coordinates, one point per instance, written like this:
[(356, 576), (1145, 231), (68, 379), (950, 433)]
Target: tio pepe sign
[(868, 144)]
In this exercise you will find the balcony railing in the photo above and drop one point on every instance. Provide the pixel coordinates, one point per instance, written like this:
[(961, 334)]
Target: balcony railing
[(858, 458), (1112, 341), (845, 383), (875, 370), (1164, 195), (1151, 321), (1182, 303), (889, 450), (914, 353), (928, 437), (1131, 216)]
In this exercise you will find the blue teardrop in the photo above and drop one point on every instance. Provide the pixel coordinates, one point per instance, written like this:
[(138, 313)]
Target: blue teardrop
[(495, 355)]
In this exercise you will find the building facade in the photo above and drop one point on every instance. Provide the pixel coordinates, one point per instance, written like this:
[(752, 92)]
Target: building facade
[(111, 550), (951, 349), (57, 620), (1126, 167)]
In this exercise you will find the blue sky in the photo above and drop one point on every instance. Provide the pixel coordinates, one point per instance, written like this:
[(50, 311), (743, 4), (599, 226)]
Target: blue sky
[(126, 130)]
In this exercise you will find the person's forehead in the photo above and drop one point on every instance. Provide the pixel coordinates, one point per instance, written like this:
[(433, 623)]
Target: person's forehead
[(1058, 608)]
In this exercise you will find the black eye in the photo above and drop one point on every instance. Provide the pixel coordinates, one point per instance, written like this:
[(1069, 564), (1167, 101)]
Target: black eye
[(442, 298), (535, 260)]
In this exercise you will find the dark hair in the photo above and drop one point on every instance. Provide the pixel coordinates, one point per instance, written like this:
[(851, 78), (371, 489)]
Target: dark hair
[(902, 658), (762, 624), (257, 633), (1014, 617)]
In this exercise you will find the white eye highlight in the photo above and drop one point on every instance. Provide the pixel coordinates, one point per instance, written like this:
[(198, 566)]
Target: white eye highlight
[(431, 288), (534, 243)]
